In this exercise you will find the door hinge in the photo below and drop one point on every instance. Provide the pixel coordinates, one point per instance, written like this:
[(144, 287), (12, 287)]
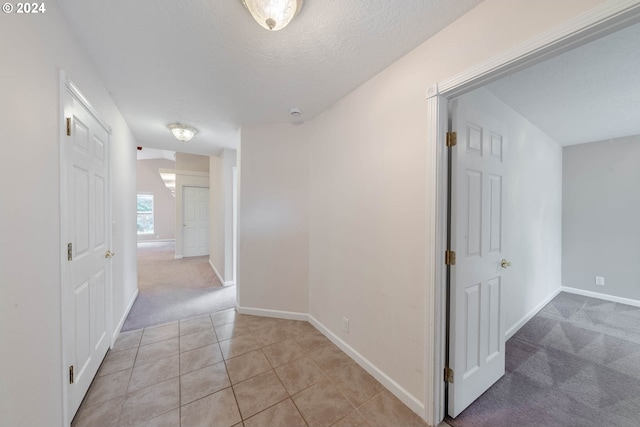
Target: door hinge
[(71, 374), (448, 375), (450, 257), (452, 139), (69, 252), (68, 126)]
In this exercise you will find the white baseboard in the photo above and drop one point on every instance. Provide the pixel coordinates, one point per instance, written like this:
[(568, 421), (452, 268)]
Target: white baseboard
[(116, 332), (407, 398), (278, 314), (156, 240), (215, 270), (177, 256), (520, 323), (627, 301)]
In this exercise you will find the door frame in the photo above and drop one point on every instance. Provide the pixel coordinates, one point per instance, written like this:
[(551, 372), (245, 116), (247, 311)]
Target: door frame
[(68, 88), (595, 23), (182, 219), (186, 178)]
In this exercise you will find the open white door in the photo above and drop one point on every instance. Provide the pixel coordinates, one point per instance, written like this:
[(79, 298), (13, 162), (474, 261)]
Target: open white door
[(87, 236), (477, 334), (195, 215)]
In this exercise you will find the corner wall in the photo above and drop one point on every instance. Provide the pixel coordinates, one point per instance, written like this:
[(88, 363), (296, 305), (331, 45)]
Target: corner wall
[(601, 207), (221, 208), (273, 219), (35, 48), (367, 182)]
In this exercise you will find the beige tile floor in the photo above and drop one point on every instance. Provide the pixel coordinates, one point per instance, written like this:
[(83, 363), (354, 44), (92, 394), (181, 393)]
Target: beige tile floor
[(228, 369)]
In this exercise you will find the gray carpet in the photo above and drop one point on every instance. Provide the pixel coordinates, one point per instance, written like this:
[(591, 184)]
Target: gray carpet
[(576, 363), (171, 289)]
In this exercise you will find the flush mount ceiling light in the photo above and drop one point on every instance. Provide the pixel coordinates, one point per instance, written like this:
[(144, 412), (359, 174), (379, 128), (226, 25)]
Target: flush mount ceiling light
[(182, 132), (273, 15)]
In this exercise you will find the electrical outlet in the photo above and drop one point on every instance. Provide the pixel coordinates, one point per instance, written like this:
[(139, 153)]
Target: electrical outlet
[(345, 324), (599, 280)]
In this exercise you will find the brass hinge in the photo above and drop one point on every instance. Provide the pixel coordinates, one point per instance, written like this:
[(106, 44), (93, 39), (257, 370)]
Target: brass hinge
[(448, 375), (68, 126), (449, 257), (452, 139), (69, 252), (71, 374)]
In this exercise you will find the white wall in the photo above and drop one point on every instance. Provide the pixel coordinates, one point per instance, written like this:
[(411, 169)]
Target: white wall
[(230, 158), (164, 203), (216, 215), (221, 208), (367, 182), (192, 162), (273, 223), (601, 208), (33, 51), (532, 212)]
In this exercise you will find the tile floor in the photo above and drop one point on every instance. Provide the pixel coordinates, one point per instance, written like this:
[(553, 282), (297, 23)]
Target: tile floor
[(228, 369)]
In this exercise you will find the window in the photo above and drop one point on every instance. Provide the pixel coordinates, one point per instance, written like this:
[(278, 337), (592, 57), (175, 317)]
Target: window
[(145, 213)]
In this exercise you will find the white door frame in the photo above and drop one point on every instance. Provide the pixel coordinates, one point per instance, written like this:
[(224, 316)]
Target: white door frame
[(185, 178), (183, 220), (604, 19), (68, 88)]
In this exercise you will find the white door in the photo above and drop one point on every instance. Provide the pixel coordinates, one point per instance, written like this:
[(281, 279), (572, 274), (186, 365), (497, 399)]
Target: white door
[(195, 218), (86, 284), (477, 338)]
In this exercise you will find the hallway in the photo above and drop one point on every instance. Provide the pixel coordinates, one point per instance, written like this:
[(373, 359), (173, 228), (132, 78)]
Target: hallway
[(226, 369), (173, 289)]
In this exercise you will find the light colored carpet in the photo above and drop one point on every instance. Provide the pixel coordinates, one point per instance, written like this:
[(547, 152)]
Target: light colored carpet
[(576, 363), (172, 289)]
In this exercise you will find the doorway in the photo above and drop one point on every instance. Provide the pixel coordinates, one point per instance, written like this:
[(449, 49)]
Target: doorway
[(195, 219), (177, 270), (86, 233), (601, 21)]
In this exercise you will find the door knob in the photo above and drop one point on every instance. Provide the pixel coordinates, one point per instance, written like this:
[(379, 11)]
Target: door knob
[(504, 263), (109, 254)]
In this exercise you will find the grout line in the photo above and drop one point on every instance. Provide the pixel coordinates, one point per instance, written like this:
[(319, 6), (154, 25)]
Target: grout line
[(289, 394), (294, 337)]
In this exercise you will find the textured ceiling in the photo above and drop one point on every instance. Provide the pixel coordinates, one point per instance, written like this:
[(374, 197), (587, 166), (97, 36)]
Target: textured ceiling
[(591, 93), (208, 64)]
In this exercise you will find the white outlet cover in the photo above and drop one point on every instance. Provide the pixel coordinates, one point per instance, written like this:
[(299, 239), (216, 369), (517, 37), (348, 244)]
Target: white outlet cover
[(599, 280)]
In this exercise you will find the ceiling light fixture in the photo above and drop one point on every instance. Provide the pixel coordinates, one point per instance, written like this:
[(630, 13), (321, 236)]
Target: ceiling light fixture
[(273, 15), (182, 132)]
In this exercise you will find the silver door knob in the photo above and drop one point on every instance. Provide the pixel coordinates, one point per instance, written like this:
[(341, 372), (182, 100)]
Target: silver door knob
[(109, 254), (504, 263)]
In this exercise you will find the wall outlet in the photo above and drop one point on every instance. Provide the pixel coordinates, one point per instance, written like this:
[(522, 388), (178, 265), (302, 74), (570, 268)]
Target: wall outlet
[(345, 324), (599, 280)]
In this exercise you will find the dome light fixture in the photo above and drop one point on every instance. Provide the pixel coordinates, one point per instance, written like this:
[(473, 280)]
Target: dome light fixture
[(182, 132), (273, 15)]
